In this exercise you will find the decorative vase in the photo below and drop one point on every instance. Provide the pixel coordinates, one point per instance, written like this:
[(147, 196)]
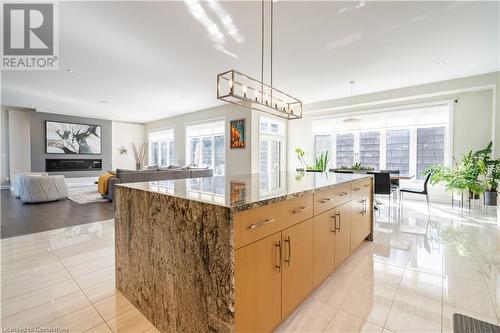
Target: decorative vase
[(138, 166), (490, 198)]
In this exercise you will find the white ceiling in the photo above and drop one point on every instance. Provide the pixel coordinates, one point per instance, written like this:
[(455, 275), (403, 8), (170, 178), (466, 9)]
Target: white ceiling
[(152, 60)]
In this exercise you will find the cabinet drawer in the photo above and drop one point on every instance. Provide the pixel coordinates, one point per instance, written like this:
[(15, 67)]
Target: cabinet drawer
[(361, 188), (331, 198), (296, 210), (256, 223)]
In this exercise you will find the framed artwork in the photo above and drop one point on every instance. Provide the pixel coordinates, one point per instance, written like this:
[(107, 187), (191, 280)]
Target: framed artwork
[(237, 192), (70, 138), (237, 138)]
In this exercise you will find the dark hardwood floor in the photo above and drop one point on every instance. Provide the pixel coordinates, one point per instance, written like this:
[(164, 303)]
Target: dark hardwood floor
[(21, 219)]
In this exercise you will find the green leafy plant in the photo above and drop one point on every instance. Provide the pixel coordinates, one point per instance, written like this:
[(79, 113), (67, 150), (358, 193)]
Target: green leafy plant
[(492, 177), (300, 155), (320, 163), (356, 167), (468, 174)]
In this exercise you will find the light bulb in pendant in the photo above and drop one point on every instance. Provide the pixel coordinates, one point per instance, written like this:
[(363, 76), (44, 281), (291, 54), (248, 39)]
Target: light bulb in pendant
[(256, 95), (244, 91), (231, 84)]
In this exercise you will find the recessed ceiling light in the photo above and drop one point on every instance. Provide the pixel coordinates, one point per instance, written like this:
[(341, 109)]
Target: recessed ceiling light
[(69, 70), (104, 102), (472, 65), (441, 63), (395, 80)]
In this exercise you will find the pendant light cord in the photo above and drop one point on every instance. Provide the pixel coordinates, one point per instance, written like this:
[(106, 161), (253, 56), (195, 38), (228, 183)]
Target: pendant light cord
[(262, 42), (272, 17)]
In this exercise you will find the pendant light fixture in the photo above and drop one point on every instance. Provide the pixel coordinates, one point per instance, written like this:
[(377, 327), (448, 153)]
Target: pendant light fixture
[(237, 88), (352, 123)]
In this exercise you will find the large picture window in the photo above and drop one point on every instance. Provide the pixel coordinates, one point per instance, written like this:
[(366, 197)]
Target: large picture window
[(206, 145), (408, 140), (162, 147)]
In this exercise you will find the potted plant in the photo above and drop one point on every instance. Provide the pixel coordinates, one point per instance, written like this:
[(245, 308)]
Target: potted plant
[(320, 163), (492, 179), (466, 176)]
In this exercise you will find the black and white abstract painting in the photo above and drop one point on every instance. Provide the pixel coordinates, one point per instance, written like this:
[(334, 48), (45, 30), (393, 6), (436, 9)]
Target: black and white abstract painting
[(67, 138)]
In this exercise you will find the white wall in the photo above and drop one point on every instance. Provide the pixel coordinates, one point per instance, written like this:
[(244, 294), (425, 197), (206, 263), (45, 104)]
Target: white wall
[(19, 142), (238, 161), (123, 134), (4, 137)]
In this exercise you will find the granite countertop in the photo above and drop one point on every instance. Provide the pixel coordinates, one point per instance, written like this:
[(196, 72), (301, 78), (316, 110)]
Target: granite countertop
[(242, 192)]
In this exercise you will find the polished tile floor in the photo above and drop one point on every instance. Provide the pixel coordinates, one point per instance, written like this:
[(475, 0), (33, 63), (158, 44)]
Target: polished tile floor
[(418, 271)]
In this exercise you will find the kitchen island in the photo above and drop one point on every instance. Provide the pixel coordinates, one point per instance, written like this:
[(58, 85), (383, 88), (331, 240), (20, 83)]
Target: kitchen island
[(235, 253)]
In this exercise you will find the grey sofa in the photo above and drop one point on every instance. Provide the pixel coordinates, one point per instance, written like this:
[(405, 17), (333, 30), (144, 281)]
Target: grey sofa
[(131, 176)]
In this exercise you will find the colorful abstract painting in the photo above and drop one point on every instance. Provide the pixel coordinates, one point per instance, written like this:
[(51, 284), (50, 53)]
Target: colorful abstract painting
[(238, 133)]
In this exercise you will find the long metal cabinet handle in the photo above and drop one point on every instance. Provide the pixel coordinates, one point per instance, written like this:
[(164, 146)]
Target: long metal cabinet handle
[(340, 221), (362, 201), (287, 240), (256, 225), (300, 210), (334, 217), (326, 200), (278, 266)]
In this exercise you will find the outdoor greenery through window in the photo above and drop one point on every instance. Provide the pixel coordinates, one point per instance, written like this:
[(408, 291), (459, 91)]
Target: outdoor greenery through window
[(162, 147), (409, 140), (206, 145)]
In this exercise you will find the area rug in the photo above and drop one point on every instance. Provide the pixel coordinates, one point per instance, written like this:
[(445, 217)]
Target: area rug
[(85, 195), (465, 324)]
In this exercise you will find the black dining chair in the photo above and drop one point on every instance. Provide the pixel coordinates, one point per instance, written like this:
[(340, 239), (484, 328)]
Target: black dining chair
[(382, 184), (394, 182), (423, 191)]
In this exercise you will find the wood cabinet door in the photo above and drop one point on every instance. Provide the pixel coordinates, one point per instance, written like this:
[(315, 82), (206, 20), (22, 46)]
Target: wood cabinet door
[(324, 246), (357, 222), (297, 265), (343, 233), (258, 285), (368, 216)]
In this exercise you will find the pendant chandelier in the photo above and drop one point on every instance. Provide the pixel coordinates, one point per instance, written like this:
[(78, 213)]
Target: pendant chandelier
[(237, 88), (352, 123)]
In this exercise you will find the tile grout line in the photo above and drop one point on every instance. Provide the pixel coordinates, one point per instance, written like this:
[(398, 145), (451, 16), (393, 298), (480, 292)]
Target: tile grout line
[(85, 295), (401, 279), (489, 292)]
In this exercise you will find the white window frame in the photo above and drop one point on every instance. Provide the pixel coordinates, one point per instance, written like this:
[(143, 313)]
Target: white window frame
[(281, 138), (200, 138), (150, 142), (268, 136), (448, 146)]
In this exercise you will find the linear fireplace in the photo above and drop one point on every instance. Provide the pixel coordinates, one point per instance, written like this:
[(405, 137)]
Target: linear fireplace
[(57, 164)]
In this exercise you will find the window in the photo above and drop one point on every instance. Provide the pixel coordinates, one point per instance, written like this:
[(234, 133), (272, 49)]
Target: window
[(206, 145), (344, 149), (322, 144), (408, 139), (270, 152), (398, 151), (369, 149), (162, 147), (430, 148)]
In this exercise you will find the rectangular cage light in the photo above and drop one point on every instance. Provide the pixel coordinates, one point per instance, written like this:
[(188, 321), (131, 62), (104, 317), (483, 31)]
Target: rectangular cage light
[(237, 88)]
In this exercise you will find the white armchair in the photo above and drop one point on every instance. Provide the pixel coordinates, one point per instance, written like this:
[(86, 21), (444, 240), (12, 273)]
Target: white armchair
[(18, 183), (43, 188)]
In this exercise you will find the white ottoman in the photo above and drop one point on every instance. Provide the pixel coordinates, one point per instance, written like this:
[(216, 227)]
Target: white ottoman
[(18, 181), (43, 188)]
